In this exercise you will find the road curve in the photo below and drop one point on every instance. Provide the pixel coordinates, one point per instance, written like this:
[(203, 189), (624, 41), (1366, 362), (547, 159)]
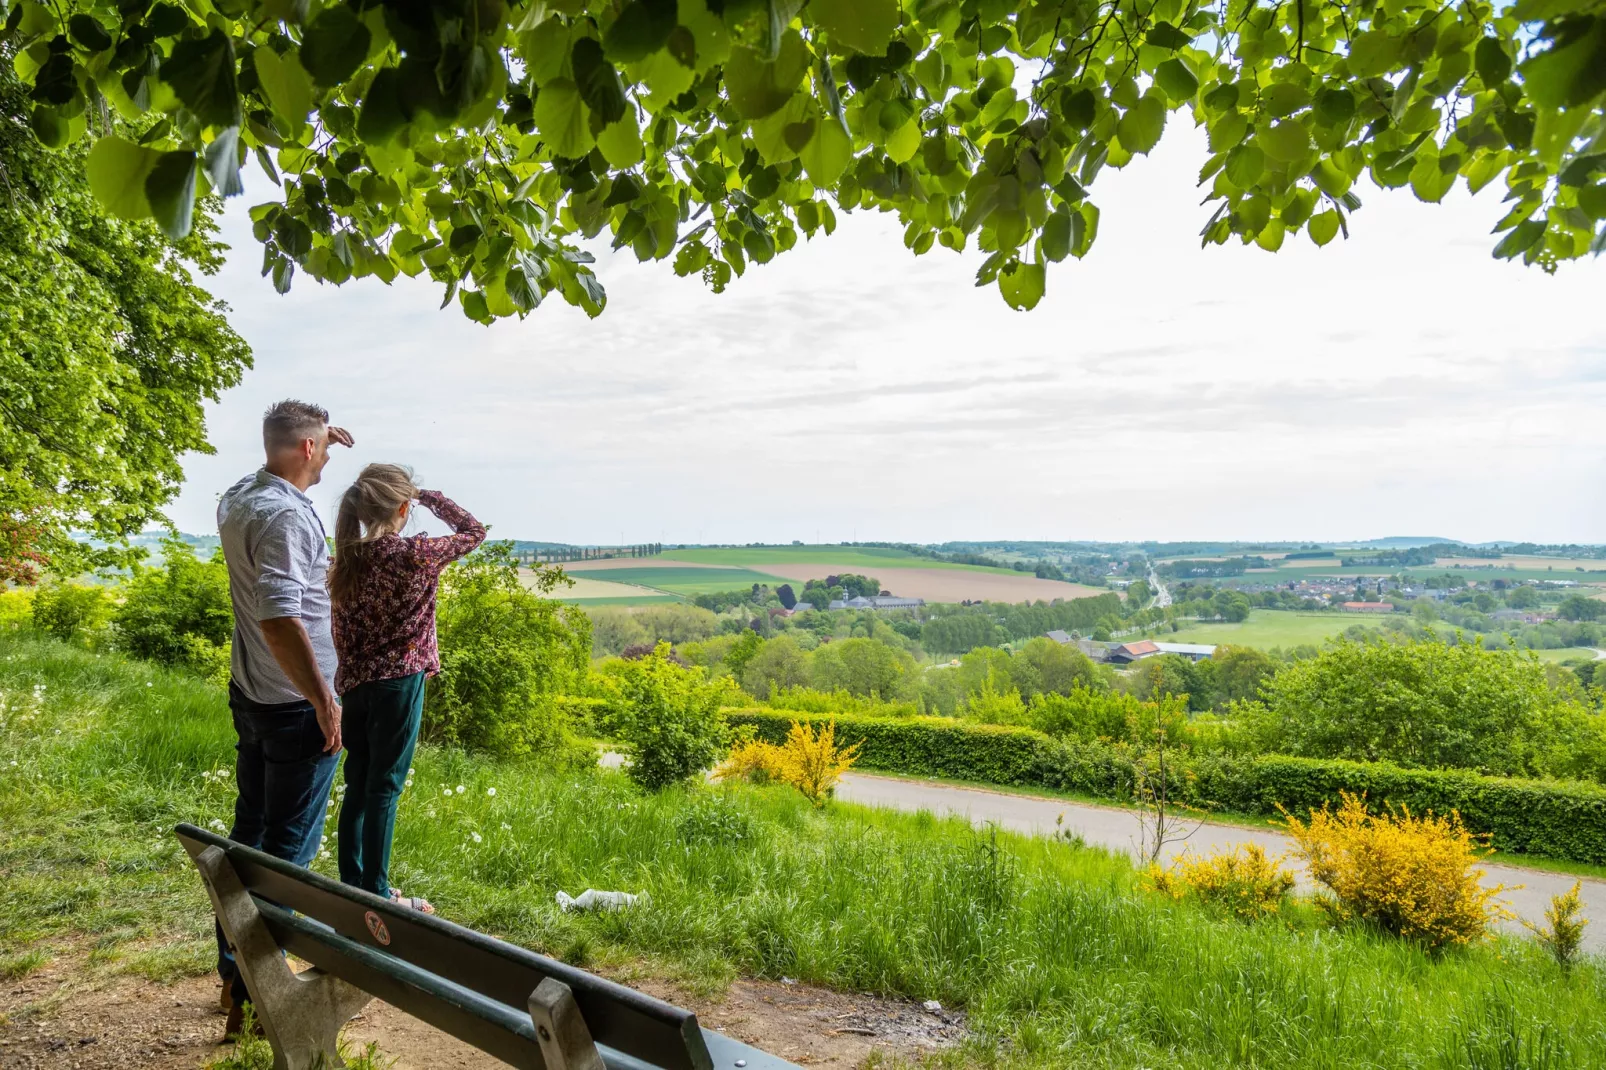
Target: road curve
[(1117, 829)]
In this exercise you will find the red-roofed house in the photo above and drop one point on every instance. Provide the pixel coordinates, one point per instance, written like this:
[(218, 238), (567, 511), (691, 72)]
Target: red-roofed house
[(1129, 652), (1368, 607)]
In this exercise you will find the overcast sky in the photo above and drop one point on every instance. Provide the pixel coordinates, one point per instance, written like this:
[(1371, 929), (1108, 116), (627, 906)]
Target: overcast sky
[(1399, 383)]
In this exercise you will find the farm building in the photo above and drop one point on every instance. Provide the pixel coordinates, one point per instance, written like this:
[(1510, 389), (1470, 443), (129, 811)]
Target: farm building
[(1125, 653), (1191, 651), (880, 601), (1091, 647), (1367, 607)]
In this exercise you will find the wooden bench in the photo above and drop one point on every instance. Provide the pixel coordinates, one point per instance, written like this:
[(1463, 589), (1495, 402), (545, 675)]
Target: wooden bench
[(525, 1009)]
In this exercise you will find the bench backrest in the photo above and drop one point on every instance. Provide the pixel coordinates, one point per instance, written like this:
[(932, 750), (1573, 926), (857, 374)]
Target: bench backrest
[(468, 984)]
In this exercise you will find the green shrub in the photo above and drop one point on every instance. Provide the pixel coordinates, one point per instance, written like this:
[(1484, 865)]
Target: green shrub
[(1428, 704), (508, 656), (667, 715), (180, 613), (1563, 819), (68, 611)]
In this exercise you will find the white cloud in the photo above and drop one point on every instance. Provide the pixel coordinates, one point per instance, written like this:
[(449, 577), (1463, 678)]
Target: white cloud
[(1402, 382)]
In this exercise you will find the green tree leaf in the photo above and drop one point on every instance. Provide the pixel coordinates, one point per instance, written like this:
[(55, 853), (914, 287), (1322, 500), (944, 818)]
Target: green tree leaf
[(827, 154), (641, 29), (1245, 164), (904, 142), (89, 33), (1285, 142), (758, 88), (170, 189), (1523, 237), (1372, 53), (597, 80), (560, 116), (1022, 285), (1227, 131), (285, 82), (224, 157), (1178, 82), (1056, 239), (1492, 62), (117, 170), (620, 142), (1323, 227), (1140, 128), (863, 25), (334, 46), (201, 72), (1429, 181)]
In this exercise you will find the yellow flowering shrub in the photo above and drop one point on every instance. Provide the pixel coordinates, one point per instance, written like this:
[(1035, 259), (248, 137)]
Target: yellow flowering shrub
[(750, 759), (1416, 877), (1563, 932), (1243, 880), (809, 760)]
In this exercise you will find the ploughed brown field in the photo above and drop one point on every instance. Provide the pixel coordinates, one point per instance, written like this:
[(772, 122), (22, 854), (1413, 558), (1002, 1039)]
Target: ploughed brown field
[(948, 584)]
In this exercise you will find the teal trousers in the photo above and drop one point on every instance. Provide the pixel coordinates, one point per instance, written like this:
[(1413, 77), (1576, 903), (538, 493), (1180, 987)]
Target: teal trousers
[(379, 723)]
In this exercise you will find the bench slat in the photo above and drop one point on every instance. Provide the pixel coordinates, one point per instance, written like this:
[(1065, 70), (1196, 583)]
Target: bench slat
[(629, 1022)]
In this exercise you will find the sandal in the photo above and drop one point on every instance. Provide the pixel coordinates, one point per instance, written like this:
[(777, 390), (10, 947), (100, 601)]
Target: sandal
[(412, 902)]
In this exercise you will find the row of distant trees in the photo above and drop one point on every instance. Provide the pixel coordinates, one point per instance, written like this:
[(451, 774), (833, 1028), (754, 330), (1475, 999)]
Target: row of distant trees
[(562, 554)]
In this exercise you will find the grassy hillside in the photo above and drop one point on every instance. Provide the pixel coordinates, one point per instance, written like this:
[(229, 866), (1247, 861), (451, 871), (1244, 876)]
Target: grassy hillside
[(1056, 954)]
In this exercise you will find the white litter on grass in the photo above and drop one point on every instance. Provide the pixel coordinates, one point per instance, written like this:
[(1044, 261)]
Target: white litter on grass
[(591, 899)]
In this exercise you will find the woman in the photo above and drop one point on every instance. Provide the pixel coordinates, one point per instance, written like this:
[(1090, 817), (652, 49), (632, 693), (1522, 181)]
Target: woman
[(383, 590)]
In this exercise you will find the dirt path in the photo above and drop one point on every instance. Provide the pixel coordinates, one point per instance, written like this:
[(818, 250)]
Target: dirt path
[(67, 1016), (1117, 829)]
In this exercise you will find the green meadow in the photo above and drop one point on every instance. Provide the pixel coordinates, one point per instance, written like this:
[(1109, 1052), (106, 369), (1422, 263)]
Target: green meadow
[(1268, 628)]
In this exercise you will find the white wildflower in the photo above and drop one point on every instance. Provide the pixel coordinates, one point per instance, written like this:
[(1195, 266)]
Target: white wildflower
[(490, 791), (506, 827), (409, 783), (476, 836), (461, 789), (448, 793)]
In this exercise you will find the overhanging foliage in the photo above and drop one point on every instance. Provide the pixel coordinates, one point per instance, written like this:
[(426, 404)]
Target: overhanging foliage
[(475, 139)]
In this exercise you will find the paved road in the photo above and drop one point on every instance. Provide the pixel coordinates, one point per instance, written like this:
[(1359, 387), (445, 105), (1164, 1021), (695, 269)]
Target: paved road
[(1162, 597), (1118, 830)]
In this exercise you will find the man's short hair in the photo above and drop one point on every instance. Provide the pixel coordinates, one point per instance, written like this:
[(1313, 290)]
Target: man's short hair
[(289, 423)]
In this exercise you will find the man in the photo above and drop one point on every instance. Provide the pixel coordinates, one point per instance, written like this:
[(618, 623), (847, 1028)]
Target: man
[(285, 712)]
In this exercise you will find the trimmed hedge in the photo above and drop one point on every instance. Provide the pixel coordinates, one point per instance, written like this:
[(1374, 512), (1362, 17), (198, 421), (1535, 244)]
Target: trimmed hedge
[(1563, 819)]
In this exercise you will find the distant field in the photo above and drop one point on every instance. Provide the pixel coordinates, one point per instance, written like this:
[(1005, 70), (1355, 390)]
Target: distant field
[(1267, 628), (837, 558), (683, 579), (693, 572), (950, 584), (1567, 654), (598, 592), (1309, 571), (1559, 564)]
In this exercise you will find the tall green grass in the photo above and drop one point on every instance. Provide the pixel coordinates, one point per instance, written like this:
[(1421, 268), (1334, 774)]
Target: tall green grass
[(1057, 955)]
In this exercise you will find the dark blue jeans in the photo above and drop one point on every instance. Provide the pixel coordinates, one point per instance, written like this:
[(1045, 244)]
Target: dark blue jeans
[(283, 778), (379, 724)]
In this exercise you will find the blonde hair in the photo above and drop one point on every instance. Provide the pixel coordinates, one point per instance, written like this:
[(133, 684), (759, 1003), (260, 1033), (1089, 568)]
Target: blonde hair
[(368, 511)]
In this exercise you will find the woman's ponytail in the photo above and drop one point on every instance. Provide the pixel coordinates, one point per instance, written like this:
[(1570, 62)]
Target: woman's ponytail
[(368, 511)]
